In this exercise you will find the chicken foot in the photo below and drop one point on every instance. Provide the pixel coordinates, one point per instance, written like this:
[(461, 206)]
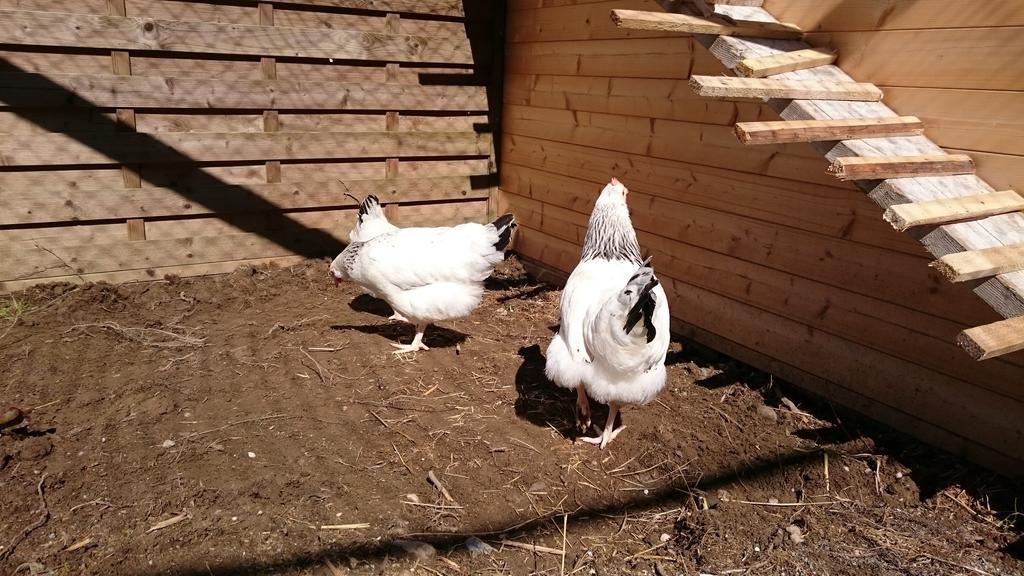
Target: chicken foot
[(417, 342), (610, 431), (397, 317)]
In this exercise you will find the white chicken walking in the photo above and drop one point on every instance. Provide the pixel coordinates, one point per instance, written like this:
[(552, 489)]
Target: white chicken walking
[(614, 332), (370, 223), (425, 274)]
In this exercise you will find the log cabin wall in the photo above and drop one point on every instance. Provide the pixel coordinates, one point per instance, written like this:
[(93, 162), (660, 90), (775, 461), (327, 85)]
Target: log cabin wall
[(140, 138), (764, 255)]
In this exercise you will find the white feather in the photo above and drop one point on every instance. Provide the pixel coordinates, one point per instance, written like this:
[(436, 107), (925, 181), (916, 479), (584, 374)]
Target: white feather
[(425, 274), (592, 347)]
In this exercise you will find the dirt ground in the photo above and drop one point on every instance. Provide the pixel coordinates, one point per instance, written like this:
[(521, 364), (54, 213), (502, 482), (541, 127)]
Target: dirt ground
[(257, 423)]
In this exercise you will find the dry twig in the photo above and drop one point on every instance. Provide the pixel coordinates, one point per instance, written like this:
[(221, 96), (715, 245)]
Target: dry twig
[(440, 487)]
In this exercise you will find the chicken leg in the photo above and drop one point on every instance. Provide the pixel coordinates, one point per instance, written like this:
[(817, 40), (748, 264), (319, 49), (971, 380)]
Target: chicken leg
[(582, 409), (610, 432), (417, 342)]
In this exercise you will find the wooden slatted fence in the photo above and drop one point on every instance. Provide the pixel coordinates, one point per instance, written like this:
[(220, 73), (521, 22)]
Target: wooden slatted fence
[(140, 138)]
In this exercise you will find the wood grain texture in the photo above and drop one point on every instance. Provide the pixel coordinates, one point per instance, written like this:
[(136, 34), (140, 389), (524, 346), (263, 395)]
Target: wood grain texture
[(786, 62), (725, 87), (87, 90), (666, 22), (963, 266), (995, 339), (946, 210), (911, 166), (783, 132), (121, 33), (61, 149)]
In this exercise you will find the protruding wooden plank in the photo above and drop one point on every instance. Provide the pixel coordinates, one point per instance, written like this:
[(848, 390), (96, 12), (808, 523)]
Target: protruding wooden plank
[(119, 33), (727, 87), (130, 148), (884, 167), (107, 91), (667, 22), (821, 130), (963, 266), (785, 62), (992, 340), (945, 210)]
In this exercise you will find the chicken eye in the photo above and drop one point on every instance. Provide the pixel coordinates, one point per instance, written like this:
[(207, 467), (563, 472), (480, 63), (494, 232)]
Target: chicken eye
[(628, 292)]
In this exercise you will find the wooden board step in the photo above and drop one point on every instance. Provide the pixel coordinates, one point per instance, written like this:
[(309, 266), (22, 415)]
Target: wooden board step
[(707, 7), (666, 22), (784, 132), (728, 87), (884, 167), (995, 339), (946, 210), (785, 62), (974, 264)]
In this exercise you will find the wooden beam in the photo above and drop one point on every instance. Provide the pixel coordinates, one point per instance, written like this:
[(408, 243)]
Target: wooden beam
[(29, 206), (963, 266), (727, 87), (825, 130), (995, 339), (107, 91), (945, 210), (785, 62), (667, 22), (430, 7), (130, 148), (884, 167), (121, 33)]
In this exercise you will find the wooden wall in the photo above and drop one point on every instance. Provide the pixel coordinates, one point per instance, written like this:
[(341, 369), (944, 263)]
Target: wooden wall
[(764, 255), (145, 137)]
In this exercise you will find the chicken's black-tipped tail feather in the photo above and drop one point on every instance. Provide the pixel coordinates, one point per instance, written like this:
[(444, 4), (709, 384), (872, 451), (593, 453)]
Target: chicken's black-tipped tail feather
[(643, 310), (504, 225)]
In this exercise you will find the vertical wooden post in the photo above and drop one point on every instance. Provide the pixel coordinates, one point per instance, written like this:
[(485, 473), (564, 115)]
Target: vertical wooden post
[(122, 66), (393, 24), (268, 70)]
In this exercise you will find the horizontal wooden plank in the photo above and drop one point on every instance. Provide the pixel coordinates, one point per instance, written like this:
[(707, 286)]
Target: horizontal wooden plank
[(645, 97), (963, 266), (122, 33), (945, 210), (71, 204), (972, 58), (668, 22), (205, 240), (581, 21), (710, 145), (428, 7), (836, 212), (133, 148), (992, 340), (786, 62), (975, 120), (885, 167), (726, 87), (875, 272), (89, 90), (843, 15), (626, 58), (821, 130)]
